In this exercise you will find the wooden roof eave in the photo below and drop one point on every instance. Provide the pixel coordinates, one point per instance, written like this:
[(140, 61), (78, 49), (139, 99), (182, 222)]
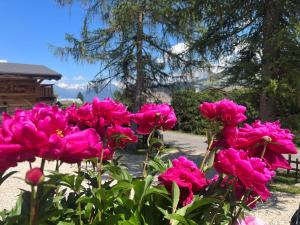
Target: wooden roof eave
[(35, 76)]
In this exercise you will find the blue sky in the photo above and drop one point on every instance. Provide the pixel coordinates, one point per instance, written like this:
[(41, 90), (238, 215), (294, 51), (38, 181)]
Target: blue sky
[(29, 26)]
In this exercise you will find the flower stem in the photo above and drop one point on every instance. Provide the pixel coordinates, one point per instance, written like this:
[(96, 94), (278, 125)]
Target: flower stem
[(57, 166), (78, 193), (43, 164), (99, 167), (264, 150), (35, 195), (211, 141), (145, 172), (244, 198), (33, 211)]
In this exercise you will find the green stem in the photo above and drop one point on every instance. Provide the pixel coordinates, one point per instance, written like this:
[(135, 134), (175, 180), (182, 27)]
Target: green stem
[(99, 165), (80, 212), (33, 210), (57, 166), (264, 150), (43, 164), (145, 172), (37, 194), (244, 197), (224, 199), (78, 193), (211, 141), (100, 169), (255, 200)]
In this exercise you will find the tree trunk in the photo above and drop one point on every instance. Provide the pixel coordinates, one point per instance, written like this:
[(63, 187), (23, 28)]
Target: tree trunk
[(140, 76), (270, 51)]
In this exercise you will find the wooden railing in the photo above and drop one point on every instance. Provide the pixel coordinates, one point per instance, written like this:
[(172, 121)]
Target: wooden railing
[(294, 167)]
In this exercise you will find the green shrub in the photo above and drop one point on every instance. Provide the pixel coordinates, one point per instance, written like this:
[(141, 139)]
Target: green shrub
[(185, 104)]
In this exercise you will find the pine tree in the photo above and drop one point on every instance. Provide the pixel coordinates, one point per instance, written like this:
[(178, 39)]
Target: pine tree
[(80, 96), (260, 39), (132, 41)]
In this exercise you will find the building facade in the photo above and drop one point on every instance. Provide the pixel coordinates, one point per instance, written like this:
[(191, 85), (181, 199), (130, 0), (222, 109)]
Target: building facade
[(22, 86)]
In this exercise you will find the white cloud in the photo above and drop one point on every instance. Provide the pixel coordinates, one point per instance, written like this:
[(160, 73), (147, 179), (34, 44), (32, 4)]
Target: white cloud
[(79, 77), (3, 61), (118, 84), (179, 48), (76, 86)]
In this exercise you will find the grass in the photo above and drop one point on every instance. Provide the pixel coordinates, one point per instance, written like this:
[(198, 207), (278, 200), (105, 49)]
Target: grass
[(291, 189), (285, 183)]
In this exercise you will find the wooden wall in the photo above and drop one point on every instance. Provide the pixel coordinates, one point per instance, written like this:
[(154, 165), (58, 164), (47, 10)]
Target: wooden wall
[(18, 93)]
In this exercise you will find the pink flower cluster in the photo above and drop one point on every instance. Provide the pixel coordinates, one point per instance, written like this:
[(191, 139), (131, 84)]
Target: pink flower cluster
[(250, 138), (249, 153), (251, 172), (229, 114), (76, 133), (159, 116), (226, 111), (44, 132), (109, 118), (187, 176)]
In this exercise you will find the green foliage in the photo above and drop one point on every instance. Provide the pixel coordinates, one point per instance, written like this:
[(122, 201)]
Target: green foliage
[(258, 41), (115, 32), (185, 104)]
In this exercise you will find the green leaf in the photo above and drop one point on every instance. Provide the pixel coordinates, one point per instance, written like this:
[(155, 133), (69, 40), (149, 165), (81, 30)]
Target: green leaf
[(210, 159), (175, 196), (118, 173), (4, 177), (158, 164), (66, 223)]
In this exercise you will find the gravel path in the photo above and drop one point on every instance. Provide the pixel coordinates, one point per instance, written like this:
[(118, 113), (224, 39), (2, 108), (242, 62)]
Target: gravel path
[(277, 211)]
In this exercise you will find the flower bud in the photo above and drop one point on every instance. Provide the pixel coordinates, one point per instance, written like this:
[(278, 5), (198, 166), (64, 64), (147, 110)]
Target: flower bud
[(34, 176), (267, 139)]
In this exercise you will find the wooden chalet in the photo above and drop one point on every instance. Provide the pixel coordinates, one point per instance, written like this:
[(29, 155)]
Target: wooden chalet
[(21, 86)]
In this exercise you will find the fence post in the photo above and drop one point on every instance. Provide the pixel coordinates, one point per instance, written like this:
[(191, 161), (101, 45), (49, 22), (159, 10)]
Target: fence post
[(288, 171), (297, 168)]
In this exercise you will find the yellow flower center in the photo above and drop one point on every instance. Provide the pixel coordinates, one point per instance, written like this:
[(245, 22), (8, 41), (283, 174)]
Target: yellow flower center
[(59, 133)]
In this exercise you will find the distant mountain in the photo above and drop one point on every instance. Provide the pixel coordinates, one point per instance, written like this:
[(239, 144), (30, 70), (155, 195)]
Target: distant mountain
[(88, 94)]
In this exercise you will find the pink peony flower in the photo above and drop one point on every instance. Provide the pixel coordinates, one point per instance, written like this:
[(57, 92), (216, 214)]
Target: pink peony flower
[(187, 176), (208, 110), (9, 156), (44, 132), (119, 136), (154, 116), (253, 137), (226, 111), (78, 146), (48, 119), (250, 220), (107, 154), (34, 176), (82, 116), (20, 130), (113, 113), (251, 172)]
